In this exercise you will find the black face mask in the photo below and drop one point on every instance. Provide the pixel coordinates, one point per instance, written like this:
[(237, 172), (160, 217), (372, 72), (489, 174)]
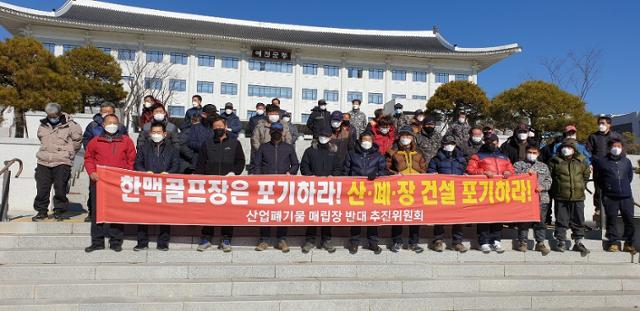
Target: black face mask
[(492, 147), (429, 130), (346, 122), (218, 133), (276, 136)]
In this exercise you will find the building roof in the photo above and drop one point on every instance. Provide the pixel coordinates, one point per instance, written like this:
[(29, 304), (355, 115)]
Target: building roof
[(103, 16)]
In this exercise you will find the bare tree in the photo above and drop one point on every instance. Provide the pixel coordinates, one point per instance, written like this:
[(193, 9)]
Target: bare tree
[(576, 73)]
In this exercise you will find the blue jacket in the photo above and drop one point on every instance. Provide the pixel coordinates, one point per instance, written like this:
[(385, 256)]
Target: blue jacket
[(452, 163), (613, 175), (158, 158), (581, 149), (95, 129), (275, 159), (233, 122), (198, 134), (369, 163), (191, 112)]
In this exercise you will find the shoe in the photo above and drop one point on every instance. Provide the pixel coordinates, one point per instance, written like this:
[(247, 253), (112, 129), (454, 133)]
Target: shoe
[(139, 247), (460, 248), (262, 246), (395, 247), (283, 246), (328, 246), (629, 248), (87, 219), (561, 246), (613, 248), (485, 248), (116, 248), (438, 246), (579, 247), (416, 248), (307, 247), (58, 217), (225, 246), (497, 246), (94, 247), (540, 247), (353, 248), (375, 248), (40, 216), (204, 244), (523, 246), (163, 248)]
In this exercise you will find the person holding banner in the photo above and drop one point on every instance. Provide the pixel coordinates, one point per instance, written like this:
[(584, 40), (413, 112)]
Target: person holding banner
[(365, 160), (275, 157), (406, 160), (159, 157), (321, 159), (220, 156), (489, 161), (449, 160), (109, 149)]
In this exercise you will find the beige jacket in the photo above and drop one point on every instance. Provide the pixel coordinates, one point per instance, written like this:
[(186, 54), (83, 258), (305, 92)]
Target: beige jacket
[(261, 134), (59, 144)]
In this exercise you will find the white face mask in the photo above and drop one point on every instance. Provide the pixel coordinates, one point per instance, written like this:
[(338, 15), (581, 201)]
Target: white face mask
[(356, 107), (195, 103), (260, 112), (156, 138), (420, 118), (567, 151), (273, 118), (398, 111), (616, 151), (228, 111), (336, 124), (323, 107), (532, 157), (476, 139), (286, 119), (449, 148), (602, 128), (523, 136), (384, 130), (462, 120), (574, 136), (159, 116), (147, 105), (111, 128), (366, 145), (323, 140), (405, 141)]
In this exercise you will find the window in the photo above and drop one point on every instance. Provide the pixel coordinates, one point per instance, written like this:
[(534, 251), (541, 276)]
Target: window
[(375, 98), (269, 91), (127, 79), (442, 77), (155, 56), (205, 87), (270, 66), (310, 69), (126, 54), (354, 72), (419, 76), (419, 97), (51, 47), (230, 62), (309, 94), (251, 114), (228, 88), (376, 74), (105, 50), (399, 75), (179, 58), (68, 47), (398, 96), (462, 77), (351, 95), (178, 85), (153, 83), (305, 118), (331, 95), (206, 60), (331, 71), (176, 110)]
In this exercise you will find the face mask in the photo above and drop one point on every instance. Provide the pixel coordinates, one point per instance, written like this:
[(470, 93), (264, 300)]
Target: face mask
[(228, 111), (323, 107), (523, 136), (366, 145), (336, 124), (276, 136), (449, 148), (420, 118), (574, 136), (356, 107), (616, 151), (54, 120), (323, 140), (111, 128), (602, 128), (398, 111), (405, 141), (476, 139), (147, 105), (532, 134), (195, 104), (156, 138), (492, 148), (462, 120), (260, 112), (532, 157), (429, 130), (218, 133), (567, 151), (346, 122), (159, 116), (286, 119), (273, 118), (384, 130)]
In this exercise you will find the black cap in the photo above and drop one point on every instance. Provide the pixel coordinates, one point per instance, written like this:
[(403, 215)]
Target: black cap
[(406, 130), (336, 116), (325, 131), (448, 139), (419, 111), (228, 105), (397, 106), (210, 109), (260, 105), (489, 138), (429, 121), (322, 102), (366, 133)]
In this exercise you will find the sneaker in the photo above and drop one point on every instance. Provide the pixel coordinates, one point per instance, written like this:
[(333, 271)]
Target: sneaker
[(225, 246), (328, 246), (87, 219), (523, 246), (375, 248), (353, 248), (540, 247), (94, 247), (283, 246), (116, 248), (629, 248), (438, 246), (139, 247), (497, 246), (262, 246), (579, 247), (307, 247), (561, 246), (416, 248), (204, 244), (40, 216), (485, 248), (395, 247), (163, 248), (613, 248), (460, 248)]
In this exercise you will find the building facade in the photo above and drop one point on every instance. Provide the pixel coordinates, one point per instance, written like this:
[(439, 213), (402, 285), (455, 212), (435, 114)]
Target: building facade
[(629, 122), (246, 62)]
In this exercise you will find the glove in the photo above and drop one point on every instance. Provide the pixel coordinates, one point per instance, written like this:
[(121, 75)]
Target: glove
[(372, 176), (231, 174)]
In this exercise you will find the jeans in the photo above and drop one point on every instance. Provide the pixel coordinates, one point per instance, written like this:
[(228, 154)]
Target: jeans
[(489, 233), (58, 177), (456, 233), (539, 228), (611, 208), (414, 233), (115, 232), (325, 234), (569, 215)]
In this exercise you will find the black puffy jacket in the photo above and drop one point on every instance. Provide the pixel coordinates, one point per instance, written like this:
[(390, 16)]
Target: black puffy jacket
[(614, 175), (158, 158), (318, 120), (321, 160), (272, 158), (220, 157), (360, 162)]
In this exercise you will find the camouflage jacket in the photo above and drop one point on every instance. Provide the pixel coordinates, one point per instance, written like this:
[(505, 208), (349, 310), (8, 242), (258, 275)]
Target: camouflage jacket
[(429, 145), (359, 121), (460, 131), (544, 177), (400, 121)]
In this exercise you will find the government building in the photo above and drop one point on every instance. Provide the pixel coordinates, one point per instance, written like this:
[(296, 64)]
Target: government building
[(246, 62)]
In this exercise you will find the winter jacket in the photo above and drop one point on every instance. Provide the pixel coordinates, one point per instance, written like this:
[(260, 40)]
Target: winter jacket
[(569, 178), (145, 117), (544, 177), (115, 151), (95, 129), (384, 142), (321, 160), (172, 133), (451, 163), (158, 158), (318, 120), (191, 141), (598, 143), (359, 121), (60, 143), (515, 150), (614, 175), (407, 161), (586, 155), (273, 158), (262, 135), (360, 162), (486, 161), (293, 130), (345, 138), (460, 131), (253, 122), (401, 120), (188, 116), (429, 144), (220, 157), (233, 123), (470, 148)]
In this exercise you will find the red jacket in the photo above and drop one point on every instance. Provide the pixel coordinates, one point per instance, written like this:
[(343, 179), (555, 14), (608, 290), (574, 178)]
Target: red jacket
[(384, 142), (117, 151), (485, 161)]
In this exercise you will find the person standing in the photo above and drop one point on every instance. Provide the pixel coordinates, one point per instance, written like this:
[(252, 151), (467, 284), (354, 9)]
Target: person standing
[(343, 136), (358, 118), (293, 129), (234, 126), (146, 115), (95, 127), (399, 118), (219, 156), (429, 139), (489, 161), (110, 149), (159, 115), (61, 139), (474, 142), (515, 147), (384, 134), (319, 119), (194, 137), (194, 111), (253, 121), (460, 128), (158, 157)]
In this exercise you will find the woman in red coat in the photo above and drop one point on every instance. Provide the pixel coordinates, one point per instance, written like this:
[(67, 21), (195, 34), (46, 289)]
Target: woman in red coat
[(146, 115), (384, 134)]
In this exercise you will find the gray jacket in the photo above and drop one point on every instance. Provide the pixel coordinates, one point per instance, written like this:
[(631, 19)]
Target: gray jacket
[(544, 177)]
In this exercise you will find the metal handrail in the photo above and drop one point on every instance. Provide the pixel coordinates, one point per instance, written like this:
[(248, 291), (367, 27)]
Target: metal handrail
[(6, 182), (8, 164)]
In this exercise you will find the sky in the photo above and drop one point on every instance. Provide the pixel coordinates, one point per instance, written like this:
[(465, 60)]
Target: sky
[(544, 29)]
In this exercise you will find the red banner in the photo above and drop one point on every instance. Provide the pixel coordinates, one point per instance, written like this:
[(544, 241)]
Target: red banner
[(277, 200)]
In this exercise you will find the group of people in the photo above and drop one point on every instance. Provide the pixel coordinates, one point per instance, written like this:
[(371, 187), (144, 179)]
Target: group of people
[(344, 144)]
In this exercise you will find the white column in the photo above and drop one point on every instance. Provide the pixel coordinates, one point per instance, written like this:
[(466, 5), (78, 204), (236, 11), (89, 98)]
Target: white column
[(297, 91), (387, 80), (431, 80), (242, 85), (474, 73), (192, 63), (343, 82)]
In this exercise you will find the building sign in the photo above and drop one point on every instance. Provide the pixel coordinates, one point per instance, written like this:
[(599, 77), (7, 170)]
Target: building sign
[(273, 54)]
